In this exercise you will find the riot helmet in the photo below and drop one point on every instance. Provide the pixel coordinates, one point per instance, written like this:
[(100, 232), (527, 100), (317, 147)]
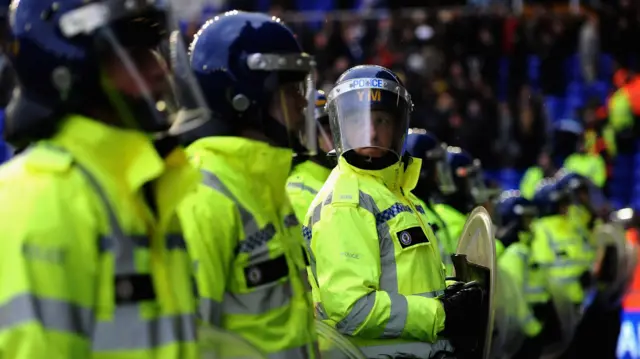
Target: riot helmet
[(120, 62), (514, 215), (550, 199), (435, 173), (369, 110), (468, 179), (257, 79)]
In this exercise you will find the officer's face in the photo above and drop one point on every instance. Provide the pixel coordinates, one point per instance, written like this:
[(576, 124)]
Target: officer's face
[(381, 132), (149, 73), (287, 106)]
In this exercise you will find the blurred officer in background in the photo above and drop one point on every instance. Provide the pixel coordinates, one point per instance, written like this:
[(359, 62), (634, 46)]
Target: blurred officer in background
[(470, 192), (514, 215), (435, 181), (375, 259), (240, 226), (308, 176), (588, 204), (92, 263), (560, 251), (587, 210)]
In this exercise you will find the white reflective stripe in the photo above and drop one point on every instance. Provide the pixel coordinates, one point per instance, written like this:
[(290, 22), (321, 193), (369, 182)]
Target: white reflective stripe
[(397, 316), (407, 350), (534, 290), (256, 238), (302, 186), (53, 314), (210, 311), (293, 353), (261, 300), (127, 331)]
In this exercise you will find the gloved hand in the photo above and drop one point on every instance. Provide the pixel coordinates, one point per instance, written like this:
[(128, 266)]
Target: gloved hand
[(463, 307)]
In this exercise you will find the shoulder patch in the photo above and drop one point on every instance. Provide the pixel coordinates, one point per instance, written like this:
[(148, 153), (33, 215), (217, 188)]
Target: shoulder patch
[(345, 190), (43, 159)]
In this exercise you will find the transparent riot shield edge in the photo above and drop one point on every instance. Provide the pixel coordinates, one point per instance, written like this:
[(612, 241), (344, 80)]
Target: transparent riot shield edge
[(479, 224)]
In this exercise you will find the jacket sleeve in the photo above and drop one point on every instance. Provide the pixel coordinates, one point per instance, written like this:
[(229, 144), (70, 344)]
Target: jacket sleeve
[(300, 199), (347, 252), (48, 270), (209, 222)]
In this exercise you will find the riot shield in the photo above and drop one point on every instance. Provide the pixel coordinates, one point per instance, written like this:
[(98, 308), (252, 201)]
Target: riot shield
[(475, 260), (563, 320), (508, 333), (610, 268), (216, 343), (335, 346)]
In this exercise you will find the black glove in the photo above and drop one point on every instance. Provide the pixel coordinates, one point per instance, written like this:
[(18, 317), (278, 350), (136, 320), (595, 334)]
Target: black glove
[(463, 307)]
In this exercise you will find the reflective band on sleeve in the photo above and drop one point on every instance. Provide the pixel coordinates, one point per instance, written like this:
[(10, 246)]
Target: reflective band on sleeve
[(127, 331), (52, 314), (259, 301), (357, 315), (397, 317), (210, 311), (409, 350), (294, 353), (302, 186)]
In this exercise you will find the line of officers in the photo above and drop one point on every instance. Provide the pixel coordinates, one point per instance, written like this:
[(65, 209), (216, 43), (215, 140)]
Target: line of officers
[(210, 203)]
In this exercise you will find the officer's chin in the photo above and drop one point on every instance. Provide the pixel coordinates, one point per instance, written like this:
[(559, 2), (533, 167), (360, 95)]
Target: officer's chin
[(373, 152)]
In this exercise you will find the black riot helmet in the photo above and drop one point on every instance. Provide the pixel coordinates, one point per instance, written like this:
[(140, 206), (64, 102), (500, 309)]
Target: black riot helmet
[(435, 174), (369, 111)]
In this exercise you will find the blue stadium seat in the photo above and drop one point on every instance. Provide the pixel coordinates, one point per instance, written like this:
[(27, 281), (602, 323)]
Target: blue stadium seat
[(605, 67), (555, 107), (533, 71), (573, 68), (510, 178)]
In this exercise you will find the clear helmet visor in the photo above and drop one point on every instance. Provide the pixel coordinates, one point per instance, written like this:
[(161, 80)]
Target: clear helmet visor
[(443, 176), (369, 116), (474, 181), (142, 62), (293, 101)]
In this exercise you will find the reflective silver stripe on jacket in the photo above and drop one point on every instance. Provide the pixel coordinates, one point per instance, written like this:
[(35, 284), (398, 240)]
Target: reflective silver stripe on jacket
[(302, 186), (301, 352), (388, 278), (261, 299), (128, 329), (256, 238), (52, 314), (407, 350)]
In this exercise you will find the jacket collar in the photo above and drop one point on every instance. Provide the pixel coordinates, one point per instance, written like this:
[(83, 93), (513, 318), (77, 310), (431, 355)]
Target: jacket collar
[(267, 165), (394, 177), (124, 154)]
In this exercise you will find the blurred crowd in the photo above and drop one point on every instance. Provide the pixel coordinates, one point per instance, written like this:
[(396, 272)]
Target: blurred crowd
[(468, 70)]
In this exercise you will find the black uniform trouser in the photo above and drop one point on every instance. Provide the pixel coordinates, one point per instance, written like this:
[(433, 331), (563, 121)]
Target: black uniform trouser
[(597, 334)]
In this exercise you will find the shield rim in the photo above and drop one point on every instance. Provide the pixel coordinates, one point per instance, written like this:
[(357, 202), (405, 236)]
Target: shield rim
[(481, 214)]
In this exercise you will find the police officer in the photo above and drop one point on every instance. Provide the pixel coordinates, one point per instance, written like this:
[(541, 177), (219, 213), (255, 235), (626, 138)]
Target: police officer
[(559, 250), (375, 260), (93, 264), (307, 177), (240, 226), (514, 215), (470, 191), (435, 181)]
